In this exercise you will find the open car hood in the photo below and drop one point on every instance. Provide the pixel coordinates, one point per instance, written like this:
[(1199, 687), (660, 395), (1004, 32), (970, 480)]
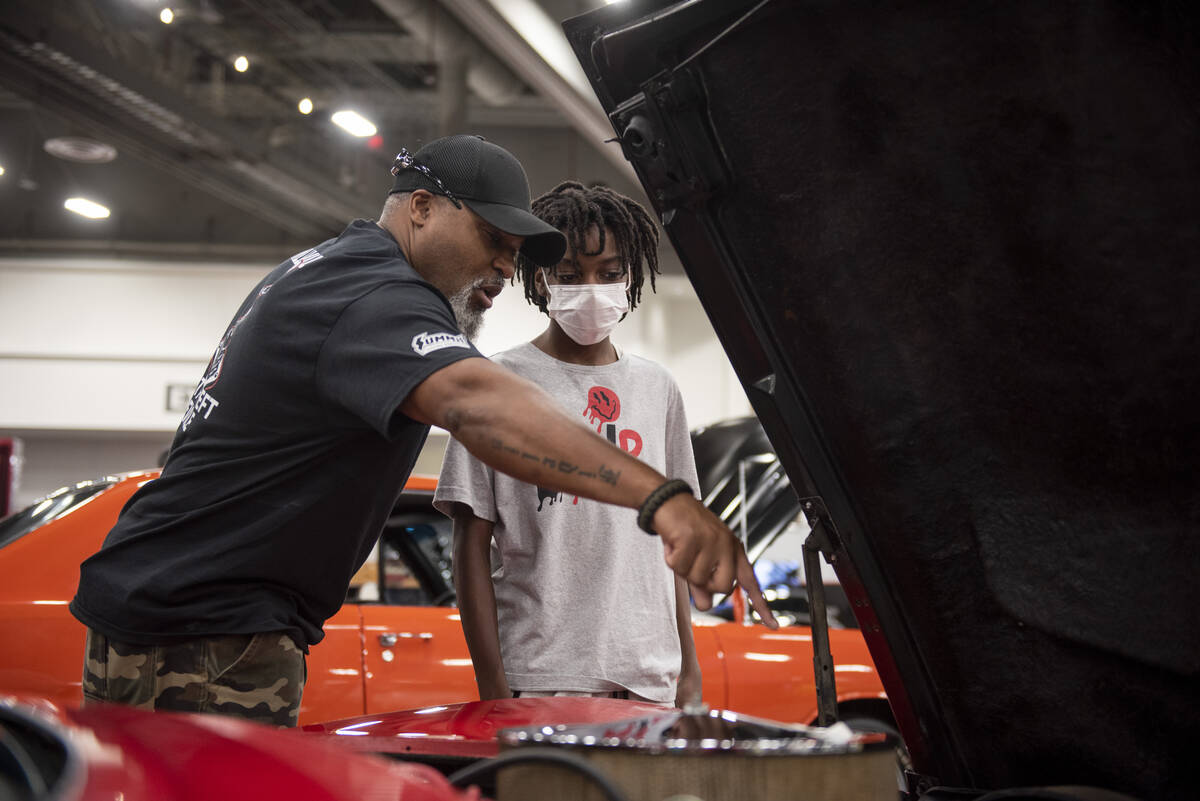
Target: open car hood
[(951, 251)]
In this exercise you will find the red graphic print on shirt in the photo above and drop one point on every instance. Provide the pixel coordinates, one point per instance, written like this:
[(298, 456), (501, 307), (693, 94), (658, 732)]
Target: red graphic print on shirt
[(603, 409), (603, 406)]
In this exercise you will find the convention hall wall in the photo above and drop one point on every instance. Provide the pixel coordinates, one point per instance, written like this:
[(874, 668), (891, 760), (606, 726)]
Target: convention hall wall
[(97, 356)]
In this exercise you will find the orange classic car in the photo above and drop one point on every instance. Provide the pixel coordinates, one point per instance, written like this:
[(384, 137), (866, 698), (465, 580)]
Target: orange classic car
[(397, 642)]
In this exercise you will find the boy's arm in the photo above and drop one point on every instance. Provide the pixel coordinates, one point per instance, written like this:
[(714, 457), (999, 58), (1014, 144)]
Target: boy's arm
[(690, 686), (477, 601)]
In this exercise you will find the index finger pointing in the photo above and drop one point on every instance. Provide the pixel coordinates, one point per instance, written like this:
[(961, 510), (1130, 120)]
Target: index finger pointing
[(749, 582)]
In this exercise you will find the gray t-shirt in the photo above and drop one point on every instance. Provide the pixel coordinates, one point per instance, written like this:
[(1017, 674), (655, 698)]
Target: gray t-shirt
[(584, 599)]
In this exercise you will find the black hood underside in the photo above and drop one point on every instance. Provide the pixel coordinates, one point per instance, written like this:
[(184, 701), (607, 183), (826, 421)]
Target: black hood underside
[(953, 251)]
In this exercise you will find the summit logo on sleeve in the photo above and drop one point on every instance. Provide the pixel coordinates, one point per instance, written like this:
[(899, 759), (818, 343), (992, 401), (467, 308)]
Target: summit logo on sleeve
[(426, 343)]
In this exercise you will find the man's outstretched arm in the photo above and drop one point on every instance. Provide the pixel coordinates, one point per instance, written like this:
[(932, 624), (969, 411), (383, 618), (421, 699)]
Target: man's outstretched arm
[(511, 425)]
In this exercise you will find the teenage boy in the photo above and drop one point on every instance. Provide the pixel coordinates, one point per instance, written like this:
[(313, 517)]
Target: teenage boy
[(575, 598)]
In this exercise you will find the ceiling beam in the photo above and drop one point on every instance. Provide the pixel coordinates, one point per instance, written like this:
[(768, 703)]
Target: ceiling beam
[(583, 111), (447, 41), (387, 107), (79, 83), (351, 46), (172, 251)]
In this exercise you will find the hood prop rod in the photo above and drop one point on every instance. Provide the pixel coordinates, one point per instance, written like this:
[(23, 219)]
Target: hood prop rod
[(744, 535), (816, 544)]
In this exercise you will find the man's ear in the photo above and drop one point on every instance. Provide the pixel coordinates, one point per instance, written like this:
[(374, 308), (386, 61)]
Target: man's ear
[(420, 206), (539, 282)]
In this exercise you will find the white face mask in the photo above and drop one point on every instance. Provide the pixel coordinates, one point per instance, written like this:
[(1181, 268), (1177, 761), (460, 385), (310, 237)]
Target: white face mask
[(587, 313)]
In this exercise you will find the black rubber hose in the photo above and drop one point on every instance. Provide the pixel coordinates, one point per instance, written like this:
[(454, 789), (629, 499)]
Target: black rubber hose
[(25, 765), (487, 767), (1065, 793)]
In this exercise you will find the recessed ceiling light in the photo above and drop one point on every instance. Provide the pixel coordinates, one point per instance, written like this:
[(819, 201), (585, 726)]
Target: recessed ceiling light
[(305, 105), (241, 63), (354, 123), (167, 16), (80, 149), (1, 169), (86, 208)]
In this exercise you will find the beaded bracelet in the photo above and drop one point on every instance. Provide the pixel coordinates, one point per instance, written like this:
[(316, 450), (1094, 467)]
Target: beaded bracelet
[(656, 499)]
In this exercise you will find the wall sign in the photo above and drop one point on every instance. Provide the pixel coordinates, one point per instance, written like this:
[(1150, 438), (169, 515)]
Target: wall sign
[(178, 396)]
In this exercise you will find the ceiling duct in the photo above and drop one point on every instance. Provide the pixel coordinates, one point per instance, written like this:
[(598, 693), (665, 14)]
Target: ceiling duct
[(583, 111), (82, 88), (110, 92), (448, 42)]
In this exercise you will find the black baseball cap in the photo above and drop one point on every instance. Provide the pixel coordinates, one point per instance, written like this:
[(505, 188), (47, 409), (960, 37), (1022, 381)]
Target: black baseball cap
[(490, 181)]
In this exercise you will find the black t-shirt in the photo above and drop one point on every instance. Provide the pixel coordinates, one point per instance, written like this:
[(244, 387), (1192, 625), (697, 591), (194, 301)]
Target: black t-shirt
[(289, 458)]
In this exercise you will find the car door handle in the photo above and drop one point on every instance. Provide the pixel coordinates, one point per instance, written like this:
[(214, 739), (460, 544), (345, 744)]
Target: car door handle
[(390, 638)]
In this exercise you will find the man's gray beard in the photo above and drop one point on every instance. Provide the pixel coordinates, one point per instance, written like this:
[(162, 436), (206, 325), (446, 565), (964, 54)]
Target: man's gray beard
[(468, 315)]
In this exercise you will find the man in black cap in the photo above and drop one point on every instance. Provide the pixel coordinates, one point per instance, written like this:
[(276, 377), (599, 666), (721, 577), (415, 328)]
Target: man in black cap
[(220, 574)]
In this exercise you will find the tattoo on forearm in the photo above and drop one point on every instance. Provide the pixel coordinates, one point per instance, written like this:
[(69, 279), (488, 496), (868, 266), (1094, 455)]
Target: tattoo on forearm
[(603, 473), (501, 445)]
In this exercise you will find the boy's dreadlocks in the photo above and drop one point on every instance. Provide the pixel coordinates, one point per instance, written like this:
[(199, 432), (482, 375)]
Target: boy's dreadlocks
[(575, 209)]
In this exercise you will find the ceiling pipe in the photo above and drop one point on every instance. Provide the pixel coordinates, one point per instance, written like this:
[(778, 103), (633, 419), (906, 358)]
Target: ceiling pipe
[(448, 42), (452, 96), (485, 20), (84, 92)]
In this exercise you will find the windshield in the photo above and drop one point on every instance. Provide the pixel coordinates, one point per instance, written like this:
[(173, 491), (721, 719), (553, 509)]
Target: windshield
[(52, 506)]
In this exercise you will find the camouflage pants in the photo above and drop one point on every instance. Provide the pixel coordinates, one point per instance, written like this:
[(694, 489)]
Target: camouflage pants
[(258, 677)]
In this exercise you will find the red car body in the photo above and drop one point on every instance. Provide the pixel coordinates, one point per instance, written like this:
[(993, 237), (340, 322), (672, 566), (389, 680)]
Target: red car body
[(469, 730), (104, 752)]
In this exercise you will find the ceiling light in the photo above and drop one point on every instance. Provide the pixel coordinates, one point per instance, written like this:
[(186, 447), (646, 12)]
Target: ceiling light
[(241, 63), (1, 169), (167, 16), (80, 149), (305, 106), (86, 208), (353, 123)]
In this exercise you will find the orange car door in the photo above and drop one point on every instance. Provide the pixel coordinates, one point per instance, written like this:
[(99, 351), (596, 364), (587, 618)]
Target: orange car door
[(415, 657), (771, 672), (712, 665), (414, 651), (334, 689)]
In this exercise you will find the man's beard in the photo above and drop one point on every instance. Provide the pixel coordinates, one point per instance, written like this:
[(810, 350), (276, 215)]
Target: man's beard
[(468, 314)]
